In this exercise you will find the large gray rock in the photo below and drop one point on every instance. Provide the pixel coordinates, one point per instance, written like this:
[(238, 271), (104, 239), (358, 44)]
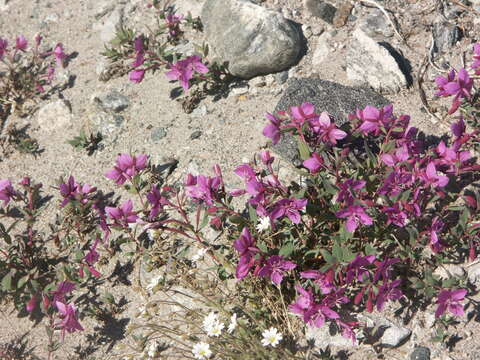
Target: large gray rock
[(372, 63), (252, 39), (336, 99)]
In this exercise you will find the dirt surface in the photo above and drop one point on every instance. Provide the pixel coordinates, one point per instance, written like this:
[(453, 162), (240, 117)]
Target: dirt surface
[(230, 127)]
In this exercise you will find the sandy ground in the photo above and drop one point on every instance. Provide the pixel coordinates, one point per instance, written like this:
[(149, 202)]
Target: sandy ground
[(231, 127)]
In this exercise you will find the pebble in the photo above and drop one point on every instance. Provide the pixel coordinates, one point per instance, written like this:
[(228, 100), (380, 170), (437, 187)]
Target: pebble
[(321, 9), (55, 115), (420, 353), (281, 77), (113, 101), (196, 134), (158, 134)]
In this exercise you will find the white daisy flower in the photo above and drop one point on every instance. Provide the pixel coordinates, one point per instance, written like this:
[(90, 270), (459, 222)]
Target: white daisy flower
[(271, 337), (199, 255), (201, 351), (263, 223), (233, 323), (215, 329), (209, 320)]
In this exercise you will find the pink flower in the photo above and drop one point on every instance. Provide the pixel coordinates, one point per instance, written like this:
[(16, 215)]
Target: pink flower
[(290, 208), (476, 58), (272, 130), (183, 70), (127, 167), (431, 178), (204, 188), (461, 88), (21, 43), (6, 191), (355, 214), (123, 215), (136, 76), (245, 245), (32, 304), (156, 200), (304, 112), (69, 321), (63, 289), (450, 300), (327, 129), (314, 164), (72, 191), (388, 291), (3, 47), (374, 118), (275, 268), (324, 281), (60, 56)]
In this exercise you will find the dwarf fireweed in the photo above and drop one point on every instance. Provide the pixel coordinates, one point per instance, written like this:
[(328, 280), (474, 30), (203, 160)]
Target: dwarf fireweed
[(28, 72)]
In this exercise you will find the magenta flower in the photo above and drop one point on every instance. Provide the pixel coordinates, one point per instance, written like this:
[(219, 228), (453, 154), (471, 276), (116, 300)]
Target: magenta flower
[(245, 245), (136, 76), (173, 22), (386, 292), (183, 70), (69, 321), (21, 43), (458, 128), (127, 167), (60, 56), (304, 306), (400, 155), (324, 281), (3, 47), (348, 190), (6, 191), (90, 259), (63, 289), (32, 304), (245, 171), (358, 268), (123, 215), (290, 208), (204, 188), (476, 58), (327, 130), (275, 268), (347, 330), (395, 215), (461, 88), (266, 158), (304, 112), (272, 130), (431, 178), (138, 44), (384, 269), (436, 227), (314, 164), (72, 191), (450, 300), (355, 214), (156, 200), (373, 118)]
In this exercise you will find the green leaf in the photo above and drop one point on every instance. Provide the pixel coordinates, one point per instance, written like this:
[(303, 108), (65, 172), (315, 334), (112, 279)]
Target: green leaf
[(235, 219), (253, 214), (370, 155), (369, 250), (286, 250), (23, 280), (262, 246), (328, 257), (7, 282), (303, 149), (337, 252)]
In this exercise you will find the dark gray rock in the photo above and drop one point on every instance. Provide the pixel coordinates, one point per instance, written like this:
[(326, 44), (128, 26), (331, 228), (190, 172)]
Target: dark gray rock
[(281, 77), (196, 134), (420, 353), (252, 39), (113, 102), (336, 99), (321, 9), (445, 35)]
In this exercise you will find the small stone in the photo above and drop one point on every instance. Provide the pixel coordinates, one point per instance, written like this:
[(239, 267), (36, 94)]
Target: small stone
[(322, 338), (199, 111), (343, 14), (196, 134), (420, 353), (371, 63), (321, 9), (445, 36), (258, 81), (54, 116), (375, 23), (113, 101), (239, 89), (473, 272), (281, 77), (307, 30), (158, 134), (448, 270)]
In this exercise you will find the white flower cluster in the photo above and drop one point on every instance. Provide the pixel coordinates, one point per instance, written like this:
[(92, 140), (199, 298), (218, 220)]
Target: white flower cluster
[(271, 337)]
